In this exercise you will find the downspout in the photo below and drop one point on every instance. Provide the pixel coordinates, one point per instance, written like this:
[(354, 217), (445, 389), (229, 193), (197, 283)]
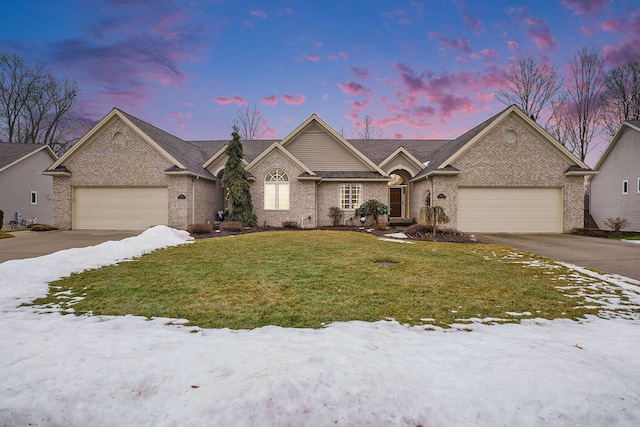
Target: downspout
[(193, 200), (315, 197)]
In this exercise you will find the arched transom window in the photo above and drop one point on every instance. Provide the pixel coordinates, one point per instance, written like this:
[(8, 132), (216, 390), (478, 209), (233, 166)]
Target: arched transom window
[(276, 190)]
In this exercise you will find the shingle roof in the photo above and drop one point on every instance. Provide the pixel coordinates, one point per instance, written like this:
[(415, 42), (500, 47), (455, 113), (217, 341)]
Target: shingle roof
[(190, 155), (377, 150), (346, 174), (12, 152)]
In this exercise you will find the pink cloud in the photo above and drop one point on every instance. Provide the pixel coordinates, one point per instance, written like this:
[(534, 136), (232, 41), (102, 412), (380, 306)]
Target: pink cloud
[(456, 44), (259, 13), (623, 53), (585, 7), (353, 88), (474, 24), (333, 58), (312, 57), (344, 55), (318, 43), (513, 45), (614, 24), (270, 100), (490, 53), (232, 100), (448, 94), (293, 100), (361, 73), (536, 28)]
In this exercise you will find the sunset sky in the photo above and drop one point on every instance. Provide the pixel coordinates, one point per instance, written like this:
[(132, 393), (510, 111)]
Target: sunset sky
[(425, 68)]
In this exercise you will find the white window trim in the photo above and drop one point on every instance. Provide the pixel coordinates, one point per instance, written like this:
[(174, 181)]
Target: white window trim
[(351, 206), (277, 184), (34, 198), (638, 188), (625, 187)]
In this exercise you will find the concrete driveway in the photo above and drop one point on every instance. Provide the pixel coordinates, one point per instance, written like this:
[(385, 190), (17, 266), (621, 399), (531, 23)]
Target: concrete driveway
[(29, 244), (607, 255)]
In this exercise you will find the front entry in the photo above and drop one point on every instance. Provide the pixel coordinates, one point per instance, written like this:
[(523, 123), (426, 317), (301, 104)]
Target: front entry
[(396, 202)]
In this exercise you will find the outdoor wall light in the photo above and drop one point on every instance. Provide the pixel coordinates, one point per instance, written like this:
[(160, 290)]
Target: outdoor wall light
[(441, 196), (182, 197)]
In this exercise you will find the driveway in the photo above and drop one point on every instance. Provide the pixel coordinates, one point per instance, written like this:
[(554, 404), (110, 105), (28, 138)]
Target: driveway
[(607, 255), (29, 244)]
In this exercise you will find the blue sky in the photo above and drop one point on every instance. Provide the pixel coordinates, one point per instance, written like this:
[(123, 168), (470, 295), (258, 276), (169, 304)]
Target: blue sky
[(419, 68)]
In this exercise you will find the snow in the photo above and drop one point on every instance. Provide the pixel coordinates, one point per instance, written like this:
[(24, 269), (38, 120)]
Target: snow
[(104, 371)]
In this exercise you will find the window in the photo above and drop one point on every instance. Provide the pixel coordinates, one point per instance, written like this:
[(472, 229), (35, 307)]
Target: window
[(350, 196), (625, 187), (638, 185), (34, 198), (276, 190)]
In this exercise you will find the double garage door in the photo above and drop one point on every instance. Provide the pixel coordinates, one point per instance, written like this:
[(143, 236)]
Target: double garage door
[(119, 208), (510, 210)]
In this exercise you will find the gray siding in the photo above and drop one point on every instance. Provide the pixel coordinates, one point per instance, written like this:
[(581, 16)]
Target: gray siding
[(320, 152), (622, 163), (18, 181)]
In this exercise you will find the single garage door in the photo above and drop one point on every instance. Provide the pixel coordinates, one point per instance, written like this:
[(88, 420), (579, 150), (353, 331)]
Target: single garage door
[(510, 210), (119, 208)]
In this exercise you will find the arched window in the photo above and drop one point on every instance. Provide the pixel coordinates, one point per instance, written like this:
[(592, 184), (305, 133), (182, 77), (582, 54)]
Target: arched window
[(276, 190)]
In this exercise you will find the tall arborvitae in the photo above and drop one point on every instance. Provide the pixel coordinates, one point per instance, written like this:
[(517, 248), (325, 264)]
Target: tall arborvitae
[(236, 185)]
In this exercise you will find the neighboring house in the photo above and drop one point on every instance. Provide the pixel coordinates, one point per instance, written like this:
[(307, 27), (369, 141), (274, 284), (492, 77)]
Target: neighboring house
[(615, 191), (505, 175), (23, 187)]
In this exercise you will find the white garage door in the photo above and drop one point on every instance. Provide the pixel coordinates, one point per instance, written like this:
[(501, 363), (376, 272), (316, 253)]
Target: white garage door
[(510, 210), (119, 208)]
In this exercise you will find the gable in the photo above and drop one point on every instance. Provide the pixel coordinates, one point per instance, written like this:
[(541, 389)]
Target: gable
[(511, 152), (402, 159), (624, 148), (125, 160), (460, 145), (319, 151)]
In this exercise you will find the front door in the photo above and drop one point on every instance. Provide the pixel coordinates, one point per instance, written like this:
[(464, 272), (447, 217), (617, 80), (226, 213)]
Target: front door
[(396, 202)]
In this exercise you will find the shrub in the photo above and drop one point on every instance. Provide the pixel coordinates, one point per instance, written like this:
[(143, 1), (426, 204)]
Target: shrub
[(1, 217), (200, 228), (372, 207), (418, 230), (231, 225), (337, 215), (379, 226), (290, 225), (616, 224), (42, 227)]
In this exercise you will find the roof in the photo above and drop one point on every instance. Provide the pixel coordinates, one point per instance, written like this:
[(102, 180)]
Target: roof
[(436, 155), (190, 155), (380, 149), (12, 153)]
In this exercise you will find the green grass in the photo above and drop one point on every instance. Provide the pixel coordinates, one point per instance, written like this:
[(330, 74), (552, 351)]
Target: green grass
[(5, 235), (313, 278)]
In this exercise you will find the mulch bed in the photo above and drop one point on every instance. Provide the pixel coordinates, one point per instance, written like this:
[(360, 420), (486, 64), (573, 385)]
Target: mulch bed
[(449, 237)]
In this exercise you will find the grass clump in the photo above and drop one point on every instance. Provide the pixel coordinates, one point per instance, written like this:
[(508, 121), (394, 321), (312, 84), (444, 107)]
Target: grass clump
[(313, 278)]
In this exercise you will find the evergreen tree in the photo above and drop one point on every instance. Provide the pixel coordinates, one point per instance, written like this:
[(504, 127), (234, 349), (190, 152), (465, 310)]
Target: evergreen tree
[(236, 185)]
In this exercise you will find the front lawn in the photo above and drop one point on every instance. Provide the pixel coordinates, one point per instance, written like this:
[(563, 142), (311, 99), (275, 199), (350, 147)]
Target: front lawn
[(313, 278)]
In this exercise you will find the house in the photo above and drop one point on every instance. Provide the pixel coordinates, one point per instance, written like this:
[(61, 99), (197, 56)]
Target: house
[(615, 191), (24, 190), (505, 175)]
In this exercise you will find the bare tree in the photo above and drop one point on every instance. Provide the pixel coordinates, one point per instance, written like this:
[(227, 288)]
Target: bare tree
[(33, 103), (368, 129), (622, 97), (576, 117), (530, 86), (250, 124)]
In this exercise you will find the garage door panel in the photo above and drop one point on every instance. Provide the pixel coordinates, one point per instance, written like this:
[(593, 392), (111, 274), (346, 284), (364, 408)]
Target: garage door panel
[(119, 208), (510, 210)]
